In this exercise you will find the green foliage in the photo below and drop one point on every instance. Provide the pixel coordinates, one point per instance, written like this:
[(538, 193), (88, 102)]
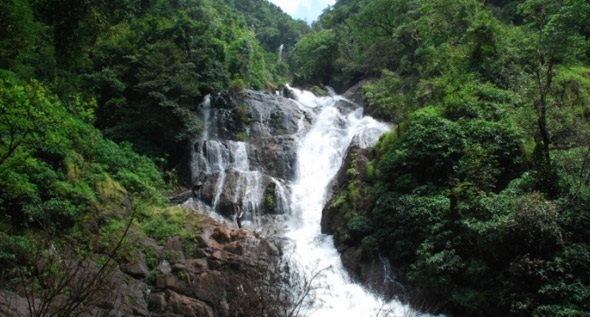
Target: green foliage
[(271, 25), (386, 98), (482, 186), (173, 221), (359, 225), (370, 171), (52, 161), (269, 202), (246, 61), (352, 172), (142, 67), (313, 58)]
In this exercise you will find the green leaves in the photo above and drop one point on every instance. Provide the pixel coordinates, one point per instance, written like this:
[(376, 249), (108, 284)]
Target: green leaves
[(27, 117), (482, 193), (51, 159), (313, 57), (428, 150)]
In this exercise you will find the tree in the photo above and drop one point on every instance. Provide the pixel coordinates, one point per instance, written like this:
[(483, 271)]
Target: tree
[(313, 57), (27, 116), (555, 38)]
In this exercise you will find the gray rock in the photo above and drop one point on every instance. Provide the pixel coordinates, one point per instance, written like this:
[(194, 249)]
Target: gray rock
[(164, 267), (136, 266)]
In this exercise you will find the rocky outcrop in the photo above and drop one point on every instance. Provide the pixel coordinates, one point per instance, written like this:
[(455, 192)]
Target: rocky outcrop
[(249, 145), (344, 217), (355, 93), (350, 197), (224, 275), (210, 281)]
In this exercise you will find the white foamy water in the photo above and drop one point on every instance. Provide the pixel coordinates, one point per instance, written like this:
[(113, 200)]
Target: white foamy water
[(320, 152), (320, 155)]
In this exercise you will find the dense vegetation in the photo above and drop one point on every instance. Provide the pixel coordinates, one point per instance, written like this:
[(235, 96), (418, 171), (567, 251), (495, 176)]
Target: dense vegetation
[(84, 87), (147, 64), (481, 194)]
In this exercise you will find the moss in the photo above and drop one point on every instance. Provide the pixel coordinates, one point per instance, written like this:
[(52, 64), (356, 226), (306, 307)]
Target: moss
[(353, 193), (244, 114), (362, 271), (109, 189), (352, 172), (269, 202), (73, 165), (339, 201), (242, 136), (319, 91), (370, 170), (162, 224)]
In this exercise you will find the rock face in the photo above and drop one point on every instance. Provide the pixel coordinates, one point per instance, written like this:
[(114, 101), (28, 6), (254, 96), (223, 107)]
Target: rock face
[(249, 145), (350, 201), (211, 281), (226, 275)]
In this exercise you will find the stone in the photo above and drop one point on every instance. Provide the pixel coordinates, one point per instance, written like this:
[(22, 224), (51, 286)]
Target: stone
[(12, 304), (187, 306), (221, 235), (199, 265), (164, 267), (172, 282), (174, 249), (157, 303), (136, 266), (269, 123)]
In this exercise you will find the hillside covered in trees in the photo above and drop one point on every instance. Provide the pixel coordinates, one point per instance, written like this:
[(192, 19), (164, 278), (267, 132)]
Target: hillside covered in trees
[(480, 195), (97, 105)]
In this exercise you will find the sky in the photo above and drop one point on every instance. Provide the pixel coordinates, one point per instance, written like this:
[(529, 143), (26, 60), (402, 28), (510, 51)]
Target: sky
[(306, 10)]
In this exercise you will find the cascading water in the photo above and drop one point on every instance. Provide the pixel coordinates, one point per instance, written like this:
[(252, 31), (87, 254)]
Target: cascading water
[(280, 55), (320, 155), (323, 129)]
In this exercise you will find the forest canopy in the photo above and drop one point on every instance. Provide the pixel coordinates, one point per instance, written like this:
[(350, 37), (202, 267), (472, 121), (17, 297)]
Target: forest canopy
[(97, 108), (146, 64), (481, 192), (480, 195)]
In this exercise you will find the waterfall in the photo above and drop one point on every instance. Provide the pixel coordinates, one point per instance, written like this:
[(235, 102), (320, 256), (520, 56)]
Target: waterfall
[(320, 154), (280, 55), (323, 129)]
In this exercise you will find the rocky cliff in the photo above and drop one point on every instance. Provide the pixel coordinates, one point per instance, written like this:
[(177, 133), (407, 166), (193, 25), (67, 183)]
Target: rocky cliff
[(232, 272), (247, 153), (345, 217)]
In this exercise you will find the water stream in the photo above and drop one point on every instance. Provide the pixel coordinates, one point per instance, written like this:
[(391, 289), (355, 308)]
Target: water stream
[(320, 155), (321, 147)]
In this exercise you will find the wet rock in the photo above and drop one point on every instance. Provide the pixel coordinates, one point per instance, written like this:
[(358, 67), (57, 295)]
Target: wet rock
[(347, 106), (271, 114), (275, 155), (373, 272), (288, 93), (355, 93), (382, 278), (224, 165), (351, 258)]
